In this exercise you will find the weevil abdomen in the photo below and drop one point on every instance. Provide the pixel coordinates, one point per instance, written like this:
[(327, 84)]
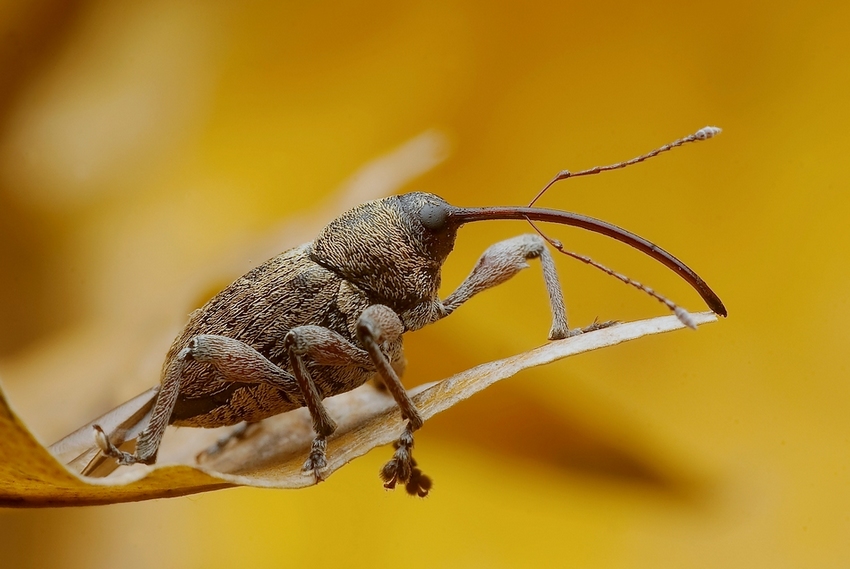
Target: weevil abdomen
[(259, 309)]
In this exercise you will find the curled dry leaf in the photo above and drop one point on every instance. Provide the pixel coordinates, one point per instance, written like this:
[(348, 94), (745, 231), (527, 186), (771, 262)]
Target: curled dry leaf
[(271, 457)]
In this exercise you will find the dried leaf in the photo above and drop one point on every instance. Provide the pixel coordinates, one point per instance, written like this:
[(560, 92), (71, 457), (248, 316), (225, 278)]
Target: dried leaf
[(30, 476)]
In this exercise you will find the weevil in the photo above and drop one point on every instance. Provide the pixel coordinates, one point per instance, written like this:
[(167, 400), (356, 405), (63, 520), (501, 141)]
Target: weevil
[(327, 316)]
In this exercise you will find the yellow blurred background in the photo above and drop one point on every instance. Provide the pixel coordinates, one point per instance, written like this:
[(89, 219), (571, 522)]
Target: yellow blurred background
[(141, 143)]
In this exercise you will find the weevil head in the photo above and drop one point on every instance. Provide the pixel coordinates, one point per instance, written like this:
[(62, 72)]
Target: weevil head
[(392, 248)]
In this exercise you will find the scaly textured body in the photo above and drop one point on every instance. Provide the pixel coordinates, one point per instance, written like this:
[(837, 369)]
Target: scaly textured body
[(259, 309), (368, 256)]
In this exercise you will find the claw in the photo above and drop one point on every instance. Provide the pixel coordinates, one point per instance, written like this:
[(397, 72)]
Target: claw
[(316, 462), (401, 469), (419, 484), (112, 451), (597, 325)]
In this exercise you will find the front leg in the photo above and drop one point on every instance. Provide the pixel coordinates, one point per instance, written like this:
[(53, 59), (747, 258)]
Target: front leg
[(377, 325), (239, 433), (502, 261)]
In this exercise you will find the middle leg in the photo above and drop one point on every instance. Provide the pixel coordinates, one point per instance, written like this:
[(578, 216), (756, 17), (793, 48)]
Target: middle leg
[(326, 347), (236, 361)]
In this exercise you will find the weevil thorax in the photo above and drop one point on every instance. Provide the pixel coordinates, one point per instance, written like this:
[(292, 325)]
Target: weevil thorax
[(392, 248)]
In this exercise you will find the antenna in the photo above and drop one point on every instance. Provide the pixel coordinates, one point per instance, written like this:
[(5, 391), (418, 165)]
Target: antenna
[(702, 134), (683, 315)]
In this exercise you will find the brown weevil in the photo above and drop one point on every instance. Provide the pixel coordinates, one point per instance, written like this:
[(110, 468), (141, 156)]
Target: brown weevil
[(326, 317)]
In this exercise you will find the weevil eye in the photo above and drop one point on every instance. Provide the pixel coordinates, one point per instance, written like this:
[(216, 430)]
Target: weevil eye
[(434, 216)]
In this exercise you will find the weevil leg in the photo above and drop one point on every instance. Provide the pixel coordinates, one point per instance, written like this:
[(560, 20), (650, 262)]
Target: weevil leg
[(379, 324), (326, 347), (596, 325), (322, 422), (238, 433), (399, 366), (502, 261), (148, 441), (237, 361)]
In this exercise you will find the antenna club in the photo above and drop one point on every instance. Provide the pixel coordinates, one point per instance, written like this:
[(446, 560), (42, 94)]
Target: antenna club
[(707, 132)]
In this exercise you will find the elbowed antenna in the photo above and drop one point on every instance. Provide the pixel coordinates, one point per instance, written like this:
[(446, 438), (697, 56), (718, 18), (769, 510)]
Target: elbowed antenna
[(460, 216)]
